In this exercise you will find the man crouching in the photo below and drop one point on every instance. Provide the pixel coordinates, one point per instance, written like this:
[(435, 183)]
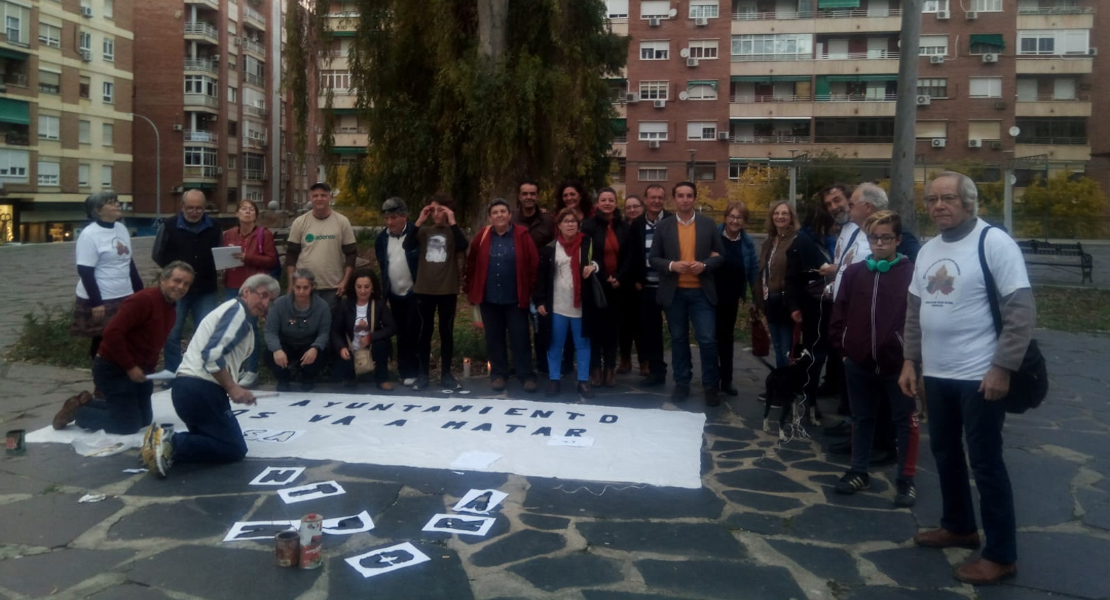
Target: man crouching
[(207, 379)]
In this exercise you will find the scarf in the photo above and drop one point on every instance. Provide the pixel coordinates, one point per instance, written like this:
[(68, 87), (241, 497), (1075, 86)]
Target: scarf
[(573, 249)]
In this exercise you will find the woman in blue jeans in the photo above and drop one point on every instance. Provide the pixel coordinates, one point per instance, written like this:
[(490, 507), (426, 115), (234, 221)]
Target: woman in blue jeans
[(787, 274)]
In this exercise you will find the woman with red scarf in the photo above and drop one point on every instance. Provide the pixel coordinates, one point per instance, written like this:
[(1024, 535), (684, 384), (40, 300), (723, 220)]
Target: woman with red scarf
[(612, 252), (562, 301)]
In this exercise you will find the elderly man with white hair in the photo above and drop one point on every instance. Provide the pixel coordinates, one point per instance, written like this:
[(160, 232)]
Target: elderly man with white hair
[(950, 333), (207, 380)]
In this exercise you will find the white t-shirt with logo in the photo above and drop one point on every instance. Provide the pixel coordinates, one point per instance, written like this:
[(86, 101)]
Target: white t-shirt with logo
[(109, 251), (958, 338), (849, 251), (360, 337), (322, 242)]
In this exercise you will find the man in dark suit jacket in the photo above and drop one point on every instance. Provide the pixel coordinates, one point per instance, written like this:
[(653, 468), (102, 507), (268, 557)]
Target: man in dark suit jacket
[(647, 284), (685, 252)]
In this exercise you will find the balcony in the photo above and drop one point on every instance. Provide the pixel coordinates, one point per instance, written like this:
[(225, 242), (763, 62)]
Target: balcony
[(254, 79), (866, 20), (1048, 105), (770, 106), (254, 175), (351, 137), (254, 17), (213, 4), (16, 138), (1035, 64), (770, 139), (201, 172), (201, 101), (343, 22), (202, 64), (254, 47), (14, 79), (254, 111), (1069, 152), (204, 137), (254, 141), (202, 30)]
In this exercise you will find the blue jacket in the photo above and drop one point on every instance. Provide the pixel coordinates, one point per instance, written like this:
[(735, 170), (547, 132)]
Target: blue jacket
[(751, 264), (381, 250)]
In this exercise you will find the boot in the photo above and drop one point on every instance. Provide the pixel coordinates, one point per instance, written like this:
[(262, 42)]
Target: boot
[(595, 377), (610, 377), (625, 366)]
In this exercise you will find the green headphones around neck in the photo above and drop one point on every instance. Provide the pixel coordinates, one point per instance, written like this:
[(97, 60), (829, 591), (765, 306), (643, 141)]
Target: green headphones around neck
[(882, 266)]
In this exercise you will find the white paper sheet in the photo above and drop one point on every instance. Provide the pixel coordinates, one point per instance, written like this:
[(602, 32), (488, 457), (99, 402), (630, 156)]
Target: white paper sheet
[(384, 560), (342, 525), (460, 524), (311, 491), (477, 501), (162, 375), (224, 257)]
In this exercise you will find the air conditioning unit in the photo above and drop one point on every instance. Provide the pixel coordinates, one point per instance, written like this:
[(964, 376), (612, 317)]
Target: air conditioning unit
[(936, 60), (722, 135), (975, 143), (86, 11), (701, 22), (972, 15), (691, 62), (924, 100), (990, 58), (655, 22), (1092, 51), (238, 41), (996, 145), (943, 15), (632, 97), (939, 142), (177, 127), (653, 143), (1000, 105), (86, 55), (179, 189), (219, 170), (660, 104)]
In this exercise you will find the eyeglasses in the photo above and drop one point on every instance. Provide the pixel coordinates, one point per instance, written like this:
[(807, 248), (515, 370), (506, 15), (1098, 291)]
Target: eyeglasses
[(734, 218), (885, 239), (946, 198), (569, 221)]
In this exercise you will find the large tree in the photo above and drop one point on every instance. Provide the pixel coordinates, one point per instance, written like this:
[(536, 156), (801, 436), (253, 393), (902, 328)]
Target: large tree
[(468, 96)]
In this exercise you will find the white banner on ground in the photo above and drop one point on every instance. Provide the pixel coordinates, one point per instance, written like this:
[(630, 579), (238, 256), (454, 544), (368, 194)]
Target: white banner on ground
[(636, 445)]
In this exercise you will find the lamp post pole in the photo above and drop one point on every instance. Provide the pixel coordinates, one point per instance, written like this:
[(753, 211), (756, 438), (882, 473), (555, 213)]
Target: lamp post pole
[(157, 164)]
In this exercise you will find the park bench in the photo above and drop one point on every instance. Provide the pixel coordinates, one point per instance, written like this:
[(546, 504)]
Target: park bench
[(1066, 256)]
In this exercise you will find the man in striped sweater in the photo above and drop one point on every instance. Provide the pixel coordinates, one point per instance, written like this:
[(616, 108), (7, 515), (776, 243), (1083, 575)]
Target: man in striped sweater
[(207, 380)]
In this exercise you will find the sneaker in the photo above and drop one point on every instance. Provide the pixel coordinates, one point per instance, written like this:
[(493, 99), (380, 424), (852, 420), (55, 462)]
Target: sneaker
[(164, 459), (248, 379), (906, 494), (681, 393), (448, 381), (157, 451), (420, 383), (853, 482), (408, 381)]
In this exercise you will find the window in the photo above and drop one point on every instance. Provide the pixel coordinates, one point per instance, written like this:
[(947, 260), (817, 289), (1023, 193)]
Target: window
[(1052, 131), (927, 130), (50, 82), (83, 86), (107, 134), (49, 35), (232, 162), (703, 9), (232, 94), (198, 156), (616, 9), (106, 176), (984, 130), (655, 50), (109, 9), (83, 175), (49, 127), (701, 90), (109, 49), (655, 9), (653, 173), (933, 45), (335, 80), (987, 5), (17, 21), (84, 43), (232, 129), (654, 90), (653, 130), (985, 87), (13, 165), (84, 132), (699, 130), (109, 89), (1054, 42), (782, 46), (935, 87), (735, 169), (200, 84), (984, 48), (703, 49), (934, 6), (705, 171), (49, 173)]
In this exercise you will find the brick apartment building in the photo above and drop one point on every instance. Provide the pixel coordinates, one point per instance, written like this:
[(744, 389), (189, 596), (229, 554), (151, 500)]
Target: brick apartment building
[(65, 104), (208, 76), (714, 86)]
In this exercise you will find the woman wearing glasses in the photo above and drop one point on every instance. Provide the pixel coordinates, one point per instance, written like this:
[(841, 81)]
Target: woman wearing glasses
[(739, 270), (298, 328)]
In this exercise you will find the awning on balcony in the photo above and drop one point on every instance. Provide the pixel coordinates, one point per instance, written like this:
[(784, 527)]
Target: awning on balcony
[(15, 111), (768, 78), (345, 111), (619, 126), (616, 81), (988, 39), (838, 4), (349, 150), (342, 33), (13, 54)]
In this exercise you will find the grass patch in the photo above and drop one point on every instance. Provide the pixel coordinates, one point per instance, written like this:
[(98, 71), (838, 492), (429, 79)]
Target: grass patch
[(1076, 310)]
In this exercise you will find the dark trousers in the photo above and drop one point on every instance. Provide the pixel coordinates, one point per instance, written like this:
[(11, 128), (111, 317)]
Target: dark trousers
[(429, 304), (692, 306), (125, 408), (630, 332), (869, 392), (605, 337), (214, 435), (294, 354), (406, 313), (541, 338), (651, 330), (510, 320), (344, 370), (957, 410), (728, 305)]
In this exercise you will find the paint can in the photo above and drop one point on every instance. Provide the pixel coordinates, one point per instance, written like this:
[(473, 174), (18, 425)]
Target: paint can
[(311, 539), (16, 442), (287, 548)]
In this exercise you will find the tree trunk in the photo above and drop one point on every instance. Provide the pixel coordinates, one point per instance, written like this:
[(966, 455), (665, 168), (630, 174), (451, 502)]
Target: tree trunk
[(905, 145), (493, 17)]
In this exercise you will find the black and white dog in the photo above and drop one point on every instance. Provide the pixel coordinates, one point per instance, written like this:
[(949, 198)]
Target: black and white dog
[(782, 386)]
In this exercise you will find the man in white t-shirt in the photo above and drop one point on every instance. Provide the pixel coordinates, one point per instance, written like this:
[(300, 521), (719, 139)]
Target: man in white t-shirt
[(950, 333)]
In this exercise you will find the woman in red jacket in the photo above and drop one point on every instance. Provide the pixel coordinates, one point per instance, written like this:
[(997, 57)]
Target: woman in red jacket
[(868, 319), (500, 274), (259, 255)]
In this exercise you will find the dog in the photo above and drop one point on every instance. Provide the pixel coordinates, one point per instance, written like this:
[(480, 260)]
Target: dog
[(781, 386)]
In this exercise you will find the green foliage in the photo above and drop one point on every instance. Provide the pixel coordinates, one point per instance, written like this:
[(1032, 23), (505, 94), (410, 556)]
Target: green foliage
[(45, 338), (1065, 205), (826, 169)]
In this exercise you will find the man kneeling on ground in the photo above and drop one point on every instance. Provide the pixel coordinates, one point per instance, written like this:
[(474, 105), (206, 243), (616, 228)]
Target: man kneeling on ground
[(206, 380), (129, 350)]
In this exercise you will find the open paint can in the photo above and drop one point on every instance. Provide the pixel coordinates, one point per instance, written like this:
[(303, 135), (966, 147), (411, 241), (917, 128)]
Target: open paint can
[(287, 548), (16, 442)]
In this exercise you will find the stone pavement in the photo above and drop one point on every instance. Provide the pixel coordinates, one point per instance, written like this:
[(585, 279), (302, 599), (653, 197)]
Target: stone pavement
[(765, 524)]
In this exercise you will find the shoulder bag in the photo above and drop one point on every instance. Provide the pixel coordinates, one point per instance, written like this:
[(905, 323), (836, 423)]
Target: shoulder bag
[(596, 290)]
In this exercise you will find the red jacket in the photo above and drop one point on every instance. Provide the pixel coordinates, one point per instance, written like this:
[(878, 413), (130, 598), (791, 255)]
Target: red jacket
[(869, 316), (259, 255), (477, 265), (136, 335)]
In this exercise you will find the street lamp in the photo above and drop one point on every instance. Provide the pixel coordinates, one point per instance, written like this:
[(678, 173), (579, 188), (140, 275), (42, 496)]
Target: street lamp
[(157, 163)]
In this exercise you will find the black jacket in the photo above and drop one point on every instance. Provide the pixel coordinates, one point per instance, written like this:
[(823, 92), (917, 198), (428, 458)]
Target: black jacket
[(639, 255), (343, 322), (194, 248), (595, 229), (544, 292)]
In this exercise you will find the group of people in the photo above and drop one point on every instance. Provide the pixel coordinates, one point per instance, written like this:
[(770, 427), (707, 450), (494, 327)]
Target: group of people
[(851, 292)]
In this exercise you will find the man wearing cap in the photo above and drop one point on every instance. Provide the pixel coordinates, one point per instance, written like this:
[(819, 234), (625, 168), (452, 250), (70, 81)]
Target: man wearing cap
[(399, 282), (323, 242)]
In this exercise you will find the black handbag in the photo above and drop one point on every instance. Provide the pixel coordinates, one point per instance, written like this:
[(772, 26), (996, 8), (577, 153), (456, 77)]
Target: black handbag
[(1029, 384), (597, 291)]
